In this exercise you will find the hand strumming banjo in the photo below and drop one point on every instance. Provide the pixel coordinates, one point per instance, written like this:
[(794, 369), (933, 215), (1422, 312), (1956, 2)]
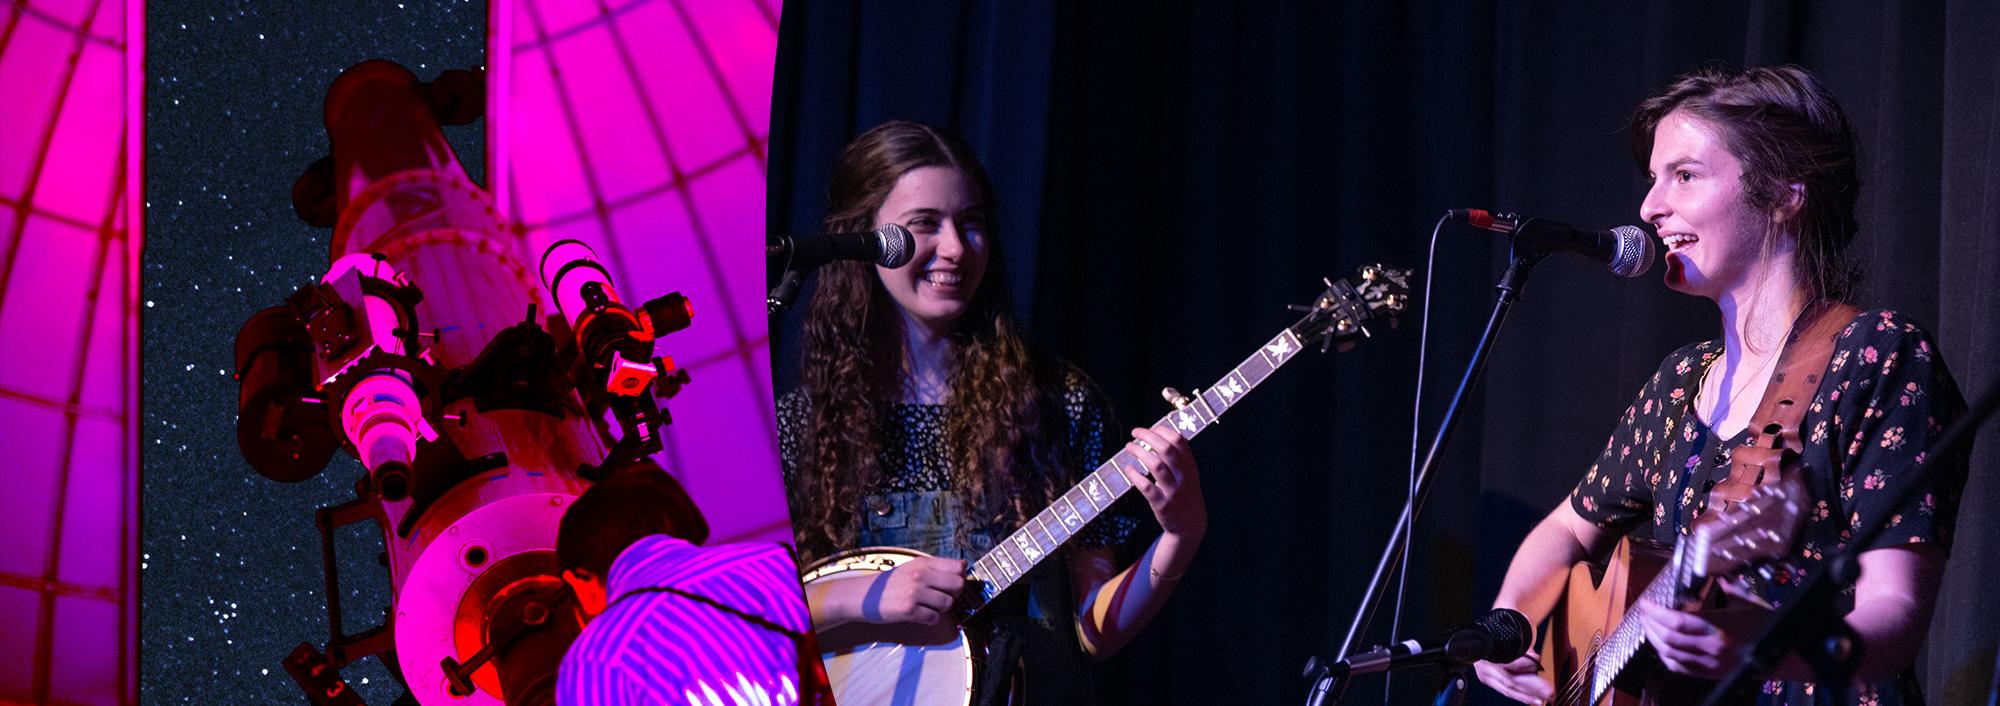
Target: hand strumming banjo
[(934, 664)]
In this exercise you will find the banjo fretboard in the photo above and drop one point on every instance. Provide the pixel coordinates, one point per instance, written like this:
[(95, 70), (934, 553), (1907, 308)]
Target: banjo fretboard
[(1020, 552)]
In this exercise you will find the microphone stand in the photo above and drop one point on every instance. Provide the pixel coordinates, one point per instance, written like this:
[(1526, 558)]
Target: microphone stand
[(1807, 622), (1452, 691), (784, 280), (782, 294), (1521, 260)]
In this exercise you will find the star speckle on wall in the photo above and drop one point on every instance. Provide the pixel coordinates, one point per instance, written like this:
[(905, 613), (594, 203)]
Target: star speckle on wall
[(230, 564)]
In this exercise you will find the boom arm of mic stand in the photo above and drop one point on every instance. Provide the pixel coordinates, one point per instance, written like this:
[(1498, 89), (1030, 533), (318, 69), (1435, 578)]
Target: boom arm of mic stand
[(1520, 263)]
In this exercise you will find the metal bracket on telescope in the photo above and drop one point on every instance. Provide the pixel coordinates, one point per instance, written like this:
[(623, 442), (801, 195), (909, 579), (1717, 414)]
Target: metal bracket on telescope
[(318, 673), (459, 674), (629, 450), (341, 647)]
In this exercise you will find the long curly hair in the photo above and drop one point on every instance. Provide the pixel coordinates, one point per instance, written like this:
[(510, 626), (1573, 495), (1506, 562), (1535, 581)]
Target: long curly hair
[(853, 362)]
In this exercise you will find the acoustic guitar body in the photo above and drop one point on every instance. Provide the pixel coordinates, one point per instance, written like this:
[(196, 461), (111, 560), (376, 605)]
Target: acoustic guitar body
[(1595, 603)]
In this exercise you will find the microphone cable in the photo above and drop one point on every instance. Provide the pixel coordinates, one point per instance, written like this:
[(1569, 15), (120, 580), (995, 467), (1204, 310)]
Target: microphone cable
[(1409, 526)]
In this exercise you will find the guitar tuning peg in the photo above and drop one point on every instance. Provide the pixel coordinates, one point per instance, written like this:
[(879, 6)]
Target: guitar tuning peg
[(1175, 398)]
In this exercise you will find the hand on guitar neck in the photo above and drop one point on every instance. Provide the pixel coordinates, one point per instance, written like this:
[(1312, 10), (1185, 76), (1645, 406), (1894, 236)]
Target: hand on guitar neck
[(1705, 641), (1170, 482)]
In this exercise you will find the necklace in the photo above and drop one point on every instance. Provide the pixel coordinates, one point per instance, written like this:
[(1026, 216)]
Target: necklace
[(1729, 405)]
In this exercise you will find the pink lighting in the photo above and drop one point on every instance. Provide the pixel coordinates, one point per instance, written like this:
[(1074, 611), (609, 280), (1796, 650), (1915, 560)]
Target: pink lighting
[(69, 312), (639, 128)]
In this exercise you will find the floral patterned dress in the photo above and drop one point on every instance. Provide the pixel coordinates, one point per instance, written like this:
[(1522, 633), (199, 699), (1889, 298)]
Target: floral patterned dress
[(1885, 398)]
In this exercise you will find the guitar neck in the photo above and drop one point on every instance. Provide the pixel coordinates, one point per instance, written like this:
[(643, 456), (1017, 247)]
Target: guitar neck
[(1667, 589), (1020, 552)]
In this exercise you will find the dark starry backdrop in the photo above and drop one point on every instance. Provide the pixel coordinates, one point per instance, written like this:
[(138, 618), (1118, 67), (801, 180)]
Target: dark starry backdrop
[(230, 572)]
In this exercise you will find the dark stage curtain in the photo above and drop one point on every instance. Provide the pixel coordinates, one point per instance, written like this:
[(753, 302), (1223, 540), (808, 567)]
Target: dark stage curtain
[(1172, 175)]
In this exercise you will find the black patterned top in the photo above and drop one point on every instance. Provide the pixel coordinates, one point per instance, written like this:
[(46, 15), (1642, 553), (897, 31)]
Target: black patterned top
[(1886, 397), (916, 457)]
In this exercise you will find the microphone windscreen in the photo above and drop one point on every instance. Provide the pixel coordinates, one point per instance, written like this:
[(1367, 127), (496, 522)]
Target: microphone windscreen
[(897, 245), (1511, 634), (1634, 255)]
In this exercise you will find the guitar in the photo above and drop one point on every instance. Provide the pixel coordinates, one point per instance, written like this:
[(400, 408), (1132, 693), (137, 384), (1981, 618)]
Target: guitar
[(1591, 648), (1590, 645), (934, 664)]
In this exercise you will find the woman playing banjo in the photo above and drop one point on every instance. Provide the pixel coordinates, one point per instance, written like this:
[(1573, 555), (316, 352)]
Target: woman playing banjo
[(924, 421)]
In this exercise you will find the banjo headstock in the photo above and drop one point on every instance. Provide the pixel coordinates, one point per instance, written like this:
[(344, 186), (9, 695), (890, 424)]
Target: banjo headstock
[(1342, 313)]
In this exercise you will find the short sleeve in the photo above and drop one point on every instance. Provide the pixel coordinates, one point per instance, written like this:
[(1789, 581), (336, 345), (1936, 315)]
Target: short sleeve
[(1893, 400), (1617, 492)]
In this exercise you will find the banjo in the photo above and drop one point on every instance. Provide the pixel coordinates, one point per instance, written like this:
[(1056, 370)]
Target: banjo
[(908, 664)]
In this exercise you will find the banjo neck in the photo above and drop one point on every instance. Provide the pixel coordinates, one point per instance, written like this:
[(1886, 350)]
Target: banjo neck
[(1020, 552)]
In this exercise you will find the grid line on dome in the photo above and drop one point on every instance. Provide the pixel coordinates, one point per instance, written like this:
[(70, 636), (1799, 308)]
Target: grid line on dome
[(704, 245), (770, 16), (21, 209), (598, 206), (27, 198), (45, 640), (715, 72), (21, 7), (13, 18), (683, 182), (79, 409), (45, 214), (61, 588), (743, 348), (717, 167), (603, 17)]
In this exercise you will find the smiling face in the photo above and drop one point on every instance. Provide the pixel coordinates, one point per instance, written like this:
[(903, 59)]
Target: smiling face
[(941, 210), (1714, 237)]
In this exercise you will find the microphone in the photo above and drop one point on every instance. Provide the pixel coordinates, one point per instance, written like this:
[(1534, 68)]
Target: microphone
[(1501, 635), (1628, 250), (888, 246)]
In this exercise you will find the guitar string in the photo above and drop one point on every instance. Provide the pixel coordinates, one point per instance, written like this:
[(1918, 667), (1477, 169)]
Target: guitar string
[(1574, 685), (1574, 688)]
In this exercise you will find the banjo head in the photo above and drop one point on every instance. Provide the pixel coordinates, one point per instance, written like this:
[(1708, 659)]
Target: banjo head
[(899, 664)]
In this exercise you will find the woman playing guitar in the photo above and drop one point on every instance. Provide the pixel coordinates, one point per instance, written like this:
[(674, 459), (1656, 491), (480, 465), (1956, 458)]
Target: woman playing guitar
[(923, 421), (1754, 183)]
